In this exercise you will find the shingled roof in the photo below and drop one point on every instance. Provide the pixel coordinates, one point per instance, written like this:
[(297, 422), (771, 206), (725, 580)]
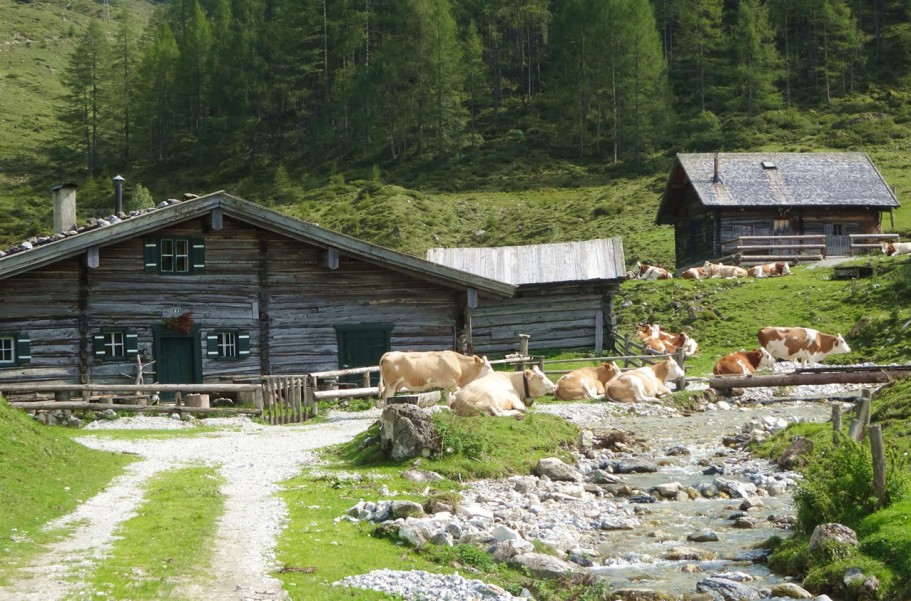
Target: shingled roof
[(562, 262), (776, 179), (104, 232)]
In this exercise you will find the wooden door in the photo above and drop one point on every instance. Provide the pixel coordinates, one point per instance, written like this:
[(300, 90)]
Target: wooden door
[(362, 346)]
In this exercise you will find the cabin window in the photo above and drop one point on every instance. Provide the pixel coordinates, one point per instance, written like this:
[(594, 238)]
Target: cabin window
[(15, 349), (175, 256), (228, 345), (111, 345)]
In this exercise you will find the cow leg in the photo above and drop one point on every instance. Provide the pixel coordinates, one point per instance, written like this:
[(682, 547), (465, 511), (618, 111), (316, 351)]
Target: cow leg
[(590, 392)]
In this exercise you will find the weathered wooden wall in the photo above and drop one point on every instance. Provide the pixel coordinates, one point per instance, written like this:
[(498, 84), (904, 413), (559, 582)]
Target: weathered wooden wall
[(566, 320)]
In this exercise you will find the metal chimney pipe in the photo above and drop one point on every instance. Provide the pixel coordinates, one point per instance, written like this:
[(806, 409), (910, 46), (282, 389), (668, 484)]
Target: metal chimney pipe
[(716, 178), (118, 194)]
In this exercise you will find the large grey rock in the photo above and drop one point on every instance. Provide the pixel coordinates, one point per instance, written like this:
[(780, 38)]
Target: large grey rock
[(790, 590), (404, 509), (728, 590), (795, 454), (407, 431), (544, 566), (826, 535), (703, 536), (556, 469), (688, 554), (636, 466), (639, 594)]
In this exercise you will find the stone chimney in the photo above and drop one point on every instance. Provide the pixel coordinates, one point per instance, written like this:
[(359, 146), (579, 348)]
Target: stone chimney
[(64, 197)]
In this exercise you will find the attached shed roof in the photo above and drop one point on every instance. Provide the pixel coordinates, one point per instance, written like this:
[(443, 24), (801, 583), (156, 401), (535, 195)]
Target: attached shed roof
[(776, 179), (561, 262), (251, 213)]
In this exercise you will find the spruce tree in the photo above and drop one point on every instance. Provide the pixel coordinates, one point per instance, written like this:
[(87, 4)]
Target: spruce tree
[(758, 64)]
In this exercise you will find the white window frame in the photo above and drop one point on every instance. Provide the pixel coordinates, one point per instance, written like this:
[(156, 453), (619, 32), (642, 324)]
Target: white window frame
[(7, 350), (227, 344)]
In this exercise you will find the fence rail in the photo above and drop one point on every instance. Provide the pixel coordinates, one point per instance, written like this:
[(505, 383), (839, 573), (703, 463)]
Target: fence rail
[(861, 243), (750, 250)]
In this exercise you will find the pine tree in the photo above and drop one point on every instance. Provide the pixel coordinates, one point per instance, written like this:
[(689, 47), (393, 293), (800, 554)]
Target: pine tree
[(86, 84), (756, 58), (194, 71), (125, 63), (157, 96)]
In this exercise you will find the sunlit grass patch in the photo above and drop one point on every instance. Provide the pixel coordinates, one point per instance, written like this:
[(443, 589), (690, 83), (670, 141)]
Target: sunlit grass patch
[(169, 540)]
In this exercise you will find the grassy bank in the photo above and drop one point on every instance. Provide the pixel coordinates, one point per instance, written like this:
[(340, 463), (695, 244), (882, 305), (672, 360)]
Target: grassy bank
[(317, 549), (43, 475)]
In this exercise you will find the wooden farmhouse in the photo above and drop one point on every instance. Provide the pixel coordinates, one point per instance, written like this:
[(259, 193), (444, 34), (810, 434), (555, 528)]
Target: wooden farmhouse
[(564, 292), (214, 288), (712, 199)]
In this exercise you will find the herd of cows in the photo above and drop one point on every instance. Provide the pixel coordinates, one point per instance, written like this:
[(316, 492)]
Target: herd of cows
[(472, 387)]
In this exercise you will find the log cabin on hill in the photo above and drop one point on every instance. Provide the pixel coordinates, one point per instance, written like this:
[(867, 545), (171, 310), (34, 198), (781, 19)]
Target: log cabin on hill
[(214, 288), (564, 292), (713, 200)]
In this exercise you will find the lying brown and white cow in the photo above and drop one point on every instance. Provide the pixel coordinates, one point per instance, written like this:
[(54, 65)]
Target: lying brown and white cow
[(643, 383), (694, 273), (586, 382), (644, 271), (896, 248), (419, 371), (743, 363), (502, 393), (660, 341), (720, 270), (806, 345), (769, 270)]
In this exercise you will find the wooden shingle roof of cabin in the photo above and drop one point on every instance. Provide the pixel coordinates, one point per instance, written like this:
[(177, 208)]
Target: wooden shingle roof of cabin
[(563, 262), (776, 179), (221, 204)]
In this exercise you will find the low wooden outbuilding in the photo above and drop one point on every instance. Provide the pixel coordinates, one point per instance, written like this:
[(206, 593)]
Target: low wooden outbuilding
[(215, 288), (564, 296), (712, 199)]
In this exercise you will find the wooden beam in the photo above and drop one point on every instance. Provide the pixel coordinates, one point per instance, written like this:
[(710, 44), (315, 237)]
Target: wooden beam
[(80, 405), (217, 219), (332, 258), (92, 258), (798, 379), (26, 387)]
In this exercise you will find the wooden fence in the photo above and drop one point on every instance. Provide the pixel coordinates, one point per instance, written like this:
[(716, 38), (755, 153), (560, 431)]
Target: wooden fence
[(752, 250), (864, 243)]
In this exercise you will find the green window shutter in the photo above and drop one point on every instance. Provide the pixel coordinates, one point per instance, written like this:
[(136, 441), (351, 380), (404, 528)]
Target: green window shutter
[(98, 345), (212, 345), (197, 255), (131, 344), (23, 349), (150, 255), (243, 344)]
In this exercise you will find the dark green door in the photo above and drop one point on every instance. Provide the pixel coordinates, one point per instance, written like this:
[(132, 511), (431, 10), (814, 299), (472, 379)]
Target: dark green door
[(178, 358), (362, 345)]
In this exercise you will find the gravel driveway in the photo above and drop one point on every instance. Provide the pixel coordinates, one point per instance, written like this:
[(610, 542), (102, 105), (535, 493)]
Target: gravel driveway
[(251, 458)]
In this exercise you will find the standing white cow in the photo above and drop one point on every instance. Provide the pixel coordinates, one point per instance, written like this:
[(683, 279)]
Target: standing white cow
[(806, 345), (418, 371), (643, 383), (502, 393)]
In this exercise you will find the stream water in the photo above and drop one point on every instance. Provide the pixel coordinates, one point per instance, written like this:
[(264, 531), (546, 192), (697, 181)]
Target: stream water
[(637, 557)]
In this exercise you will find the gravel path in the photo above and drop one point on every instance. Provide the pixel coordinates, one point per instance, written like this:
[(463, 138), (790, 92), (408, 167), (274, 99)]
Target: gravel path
[(251, 458)]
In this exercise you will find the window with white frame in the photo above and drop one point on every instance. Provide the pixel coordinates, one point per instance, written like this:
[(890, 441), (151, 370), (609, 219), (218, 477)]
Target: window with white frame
[(174, 256), (15, 349), (228, 345), (114, 344)]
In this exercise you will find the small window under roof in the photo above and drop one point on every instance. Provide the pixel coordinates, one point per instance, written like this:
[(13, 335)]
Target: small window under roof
[(769, 165)]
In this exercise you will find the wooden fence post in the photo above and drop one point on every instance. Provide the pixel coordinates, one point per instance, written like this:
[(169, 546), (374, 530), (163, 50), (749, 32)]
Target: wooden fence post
[(523, 350), (836, 423), (680, 358), (860, 421), (879, 463)]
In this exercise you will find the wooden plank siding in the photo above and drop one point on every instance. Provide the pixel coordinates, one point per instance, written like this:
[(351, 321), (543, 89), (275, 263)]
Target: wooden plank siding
[(565, 320)]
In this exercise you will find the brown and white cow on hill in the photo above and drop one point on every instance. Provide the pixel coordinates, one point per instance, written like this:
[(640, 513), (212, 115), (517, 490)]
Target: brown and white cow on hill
[(694, 273), (720, 270), (660, 341), (644, 271), (896, 248), (502, 393), (419, 371), (643, 383), (586, 382), (743, 363), (769, 270), (806, 345)]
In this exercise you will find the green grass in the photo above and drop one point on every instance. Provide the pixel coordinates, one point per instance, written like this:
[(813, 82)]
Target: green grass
[(43, 475), (170, 540), (317, 549)]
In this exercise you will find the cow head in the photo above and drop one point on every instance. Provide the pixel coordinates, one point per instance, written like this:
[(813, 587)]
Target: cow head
[(484, 366), (887, 248), (607, 372), (785, 269), (840, 346), (766, 360), (538, 385), (674, 371), (690, 346)]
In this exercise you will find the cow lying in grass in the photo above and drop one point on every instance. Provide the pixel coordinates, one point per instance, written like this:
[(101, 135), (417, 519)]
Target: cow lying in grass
[(420, 371), (586, 382), (660, 341), (896, 248), (720, 270), (502, 393), (694, 273), (743, 363), (768, 270), (645, 271), (644, 383)]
